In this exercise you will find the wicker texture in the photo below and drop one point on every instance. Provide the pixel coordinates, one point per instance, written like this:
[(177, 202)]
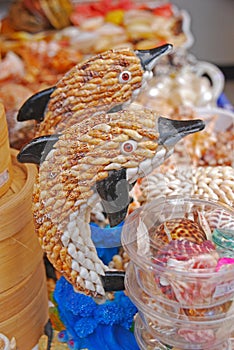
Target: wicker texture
[(23, 289), (5, 157)]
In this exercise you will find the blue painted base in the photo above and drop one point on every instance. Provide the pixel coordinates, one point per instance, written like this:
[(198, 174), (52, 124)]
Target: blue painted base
[(104, 337), (95, 326), (107, 241)]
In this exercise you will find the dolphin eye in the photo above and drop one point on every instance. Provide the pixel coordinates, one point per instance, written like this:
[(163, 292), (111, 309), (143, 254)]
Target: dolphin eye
[(125, 76), (128, 147)]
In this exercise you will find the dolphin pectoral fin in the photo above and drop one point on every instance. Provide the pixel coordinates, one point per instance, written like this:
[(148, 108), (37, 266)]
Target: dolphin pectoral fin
[(113, 281), (34, 107), (114, 193), (37, 150)]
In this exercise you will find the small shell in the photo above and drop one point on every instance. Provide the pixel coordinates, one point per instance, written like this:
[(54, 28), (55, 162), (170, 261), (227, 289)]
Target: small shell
[(177, 229), (204, 225), (220, 219), (216, 183), (197, 337), (186, 256), (215, 310)]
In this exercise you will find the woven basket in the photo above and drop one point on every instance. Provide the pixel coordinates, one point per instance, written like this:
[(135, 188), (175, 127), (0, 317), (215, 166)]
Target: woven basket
[(24, 309), (23, 288), (5, 158)]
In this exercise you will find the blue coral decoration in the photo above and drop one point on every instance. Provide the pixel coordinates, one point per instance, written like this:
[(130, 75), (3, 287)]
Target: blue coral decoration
[(94, 326)]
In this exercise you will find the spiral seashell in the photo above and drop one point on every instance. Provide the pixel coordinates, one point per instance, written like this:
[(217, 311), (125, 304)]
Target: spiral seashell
[(7, 344)]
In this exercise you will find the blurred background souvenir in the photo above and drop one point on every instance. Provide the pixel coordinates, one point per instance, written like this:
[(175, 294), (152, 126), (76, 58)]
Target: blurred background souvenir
[(50, 37)]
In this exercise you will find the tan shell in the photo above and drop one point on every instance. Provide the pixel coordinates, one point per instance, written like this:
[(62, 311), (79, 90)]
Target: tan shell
[(179, 229)]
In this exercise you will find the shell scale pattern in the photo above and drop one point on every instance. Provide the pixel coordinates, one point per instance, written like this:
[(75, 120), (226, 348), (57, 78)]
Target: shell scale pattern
[(97, 84), (65, 192)]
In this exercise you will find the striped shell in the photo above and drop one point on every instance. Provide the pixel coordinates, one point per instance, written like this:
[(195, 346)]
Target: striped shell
[(219, 219)]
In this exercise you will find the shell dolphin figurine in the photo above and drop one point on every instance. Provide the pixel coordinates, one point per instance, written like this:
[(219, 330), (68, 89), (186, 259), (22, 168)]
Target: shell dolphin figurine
[(106, 81), (99, 158)]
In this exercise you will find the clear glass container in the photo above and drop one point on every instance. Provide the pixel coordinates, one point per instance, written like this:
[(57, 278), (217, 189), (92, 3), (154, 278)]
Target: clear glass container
[(176, 326), (181, 271), (147, 342), (180, 281)]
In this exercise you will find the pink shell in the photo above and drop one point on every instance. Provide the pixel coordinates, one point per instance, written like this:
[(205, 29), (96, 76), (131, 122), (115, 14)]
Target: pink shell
[(197, 337), (219, 218), (186, 256), (183, 250)]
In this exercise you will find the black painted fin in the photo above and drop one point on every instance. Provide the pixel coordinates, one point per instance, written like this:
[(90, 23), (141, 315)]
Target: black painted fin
[(37, 150), (113, 281), (116, 108), (114, 193), (34, 107)]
